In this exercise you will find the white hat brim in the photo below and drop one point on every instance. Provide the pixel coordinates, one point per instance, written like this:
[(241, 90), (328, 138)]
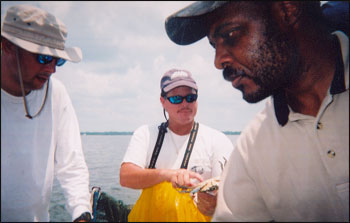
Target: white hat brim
[(180, 83), (72, 54)]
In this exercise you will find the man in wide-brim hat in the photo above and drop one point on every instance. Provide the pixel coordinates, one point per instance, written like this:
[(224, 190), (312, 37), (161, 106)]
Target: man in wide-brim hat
[(40, 134)]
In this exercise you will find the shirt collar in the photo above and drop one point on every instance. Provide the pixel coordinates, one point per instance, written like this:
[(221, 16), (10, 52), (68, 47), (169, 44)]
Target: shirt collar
[(338, 85)]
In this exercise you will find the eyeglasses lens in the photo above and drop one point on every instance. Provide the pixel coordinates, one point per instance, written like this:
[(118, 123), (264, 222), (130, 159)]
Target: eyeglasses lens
[(60, 61), (175, 99), (46, 59), (178, 99), (191, 98)]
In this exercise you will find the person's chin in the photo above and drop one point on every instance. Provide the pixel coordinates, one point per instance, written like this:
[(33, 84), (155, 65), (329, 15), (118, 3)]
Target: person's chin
[(187, 119), (250, 100), (254, 97), (38, 85)]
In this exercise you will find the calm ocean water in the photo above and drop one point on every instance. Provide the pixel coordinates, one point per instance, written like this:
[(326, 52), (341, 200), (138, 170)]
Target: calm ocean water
[(103, 155)]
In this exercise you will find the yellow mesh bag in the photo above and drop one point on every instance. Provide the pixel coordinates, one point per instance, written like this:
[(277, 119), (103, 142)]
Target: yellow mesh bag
[(162, 203)]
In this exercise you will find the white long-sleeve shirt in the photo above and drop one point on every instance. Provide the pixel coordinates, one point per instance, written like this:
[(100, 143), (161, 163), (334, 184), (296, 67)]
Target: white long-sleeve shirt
[(32, 151)]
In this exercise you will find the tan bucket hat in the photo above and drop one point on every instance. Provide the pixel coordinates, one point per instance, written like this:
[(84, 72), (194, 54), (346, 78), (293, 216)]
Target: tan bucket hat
[(38, 31)]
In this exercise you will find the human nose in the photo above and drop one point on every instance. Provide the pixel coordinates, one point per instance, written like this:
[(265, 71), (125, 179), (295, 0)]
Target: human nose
[(186, 104), (222, 56), (50, 67)]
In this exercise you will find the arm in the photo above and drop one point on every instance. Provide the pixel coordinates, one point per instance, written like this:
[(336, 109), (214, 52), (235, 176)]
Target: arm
[(206, 202), (238, 195), (70, 166), (133, 172), (136, 177)]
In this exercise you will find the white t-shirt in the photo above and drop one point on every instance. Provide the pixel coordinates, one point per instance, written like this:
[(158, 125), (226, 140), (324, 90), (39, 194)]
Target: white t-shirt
[(296, 172), (210, 152), (32, 150)]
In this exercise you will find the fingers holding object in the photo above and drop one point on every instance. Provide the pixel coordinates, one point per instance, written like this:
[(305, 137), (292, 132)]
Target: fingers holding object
[(184, 178)]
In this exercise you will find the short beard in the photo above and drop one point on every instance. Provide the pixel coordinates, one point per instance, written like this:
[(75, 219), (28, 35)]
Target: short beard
[(277, 65)]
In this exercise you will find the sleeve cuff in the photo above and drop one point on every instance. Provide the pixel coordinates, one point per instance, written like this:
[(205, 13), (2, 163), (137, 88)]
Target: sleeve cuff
[(78, 211)]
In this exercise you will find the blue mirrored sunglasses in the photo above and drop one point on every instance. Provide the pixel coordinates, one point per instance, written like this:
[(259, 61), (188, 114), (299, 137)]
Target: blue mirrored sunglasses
[(177, 99), (46, 59)]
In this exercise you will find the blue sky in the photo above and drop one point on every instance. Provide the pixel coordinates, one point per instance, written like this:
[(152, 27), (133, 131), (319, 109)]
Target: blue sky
[(125, 52)]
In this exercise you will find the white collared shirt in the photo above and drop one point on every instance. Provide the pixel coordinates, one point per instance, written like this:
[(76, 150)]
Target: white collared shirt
[(298, 172)]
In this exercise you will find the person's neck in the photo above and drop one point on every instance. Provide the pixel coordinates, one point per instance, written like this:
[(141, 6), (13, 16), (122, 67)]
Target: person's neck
[(179, 128), (307, 94), (13, 89), (9, 85)]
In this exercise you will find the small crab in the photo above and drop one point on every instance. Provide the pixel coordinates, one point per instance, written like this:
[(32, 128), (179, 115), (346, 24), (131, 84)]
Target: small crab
[(207, 186)]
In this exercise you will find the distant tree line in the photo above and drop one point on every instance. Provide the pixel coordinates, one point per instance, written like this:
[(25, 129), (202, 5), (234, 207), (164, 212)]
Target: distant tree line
[(231, 132), (130, 133), (106, 133)]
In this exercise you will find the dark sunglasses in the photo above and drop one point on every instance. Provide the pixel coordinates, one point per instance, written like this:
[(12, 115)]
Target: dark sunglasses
[(46, 59), (177, 99)]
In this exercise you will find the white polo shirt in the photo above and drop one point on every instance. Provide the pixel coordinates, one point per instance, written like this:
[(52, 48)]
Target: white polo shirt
[(295, 172), (211, 150)]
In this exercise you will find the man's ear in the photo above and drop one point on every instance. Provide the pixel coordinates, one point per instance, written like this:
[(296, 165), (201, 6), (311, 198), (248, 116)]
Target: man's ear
[(287, 13), (162, 100), (7, 46)]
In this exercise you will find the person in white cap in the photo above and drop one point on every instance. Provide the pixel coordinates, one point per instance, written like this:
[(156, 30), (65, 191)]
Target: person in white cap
[(140, 169), (291, 163), (40, 134)]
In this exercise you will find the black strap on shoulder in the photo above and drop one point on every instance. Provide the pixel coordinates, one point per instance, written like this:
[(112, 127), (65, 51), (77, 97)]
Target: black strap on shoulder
[(158, 146), (190, 145)]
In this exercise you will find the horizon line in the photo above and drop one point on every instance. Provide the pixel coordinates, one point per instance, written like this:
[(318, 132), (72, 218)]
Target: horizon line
[(131, 132)]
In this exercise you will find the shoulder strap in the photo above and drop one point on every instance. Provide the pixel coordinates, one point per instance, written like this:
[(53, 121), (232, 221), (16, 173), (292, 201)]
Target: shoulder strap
[(158, 146), (190, 144)]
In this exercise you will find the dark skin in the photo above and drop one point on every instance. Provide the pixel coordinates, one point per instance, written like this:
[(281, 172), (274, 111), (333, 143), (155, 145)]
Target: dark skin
[(262, 50)]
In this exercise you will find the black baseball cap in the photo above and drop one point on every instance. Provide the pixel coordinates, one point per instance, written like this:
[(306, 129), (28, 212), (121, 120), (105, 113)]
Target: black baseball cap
[(189, 24)]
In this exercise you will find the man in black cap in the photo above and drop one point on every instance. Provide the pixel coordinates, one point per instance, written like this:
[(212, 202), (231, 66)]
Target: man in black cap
[(291, 163)]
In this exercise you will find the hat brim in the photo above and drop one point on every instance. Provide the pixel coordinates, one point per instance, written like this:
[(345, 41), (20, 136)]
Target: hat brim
[(189, 24), (72, 54), (180, 83)]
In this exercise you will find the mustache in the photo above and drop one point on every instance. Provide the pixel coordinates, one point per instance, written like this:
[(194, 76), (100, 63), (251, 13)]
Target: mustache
[(230, 73), (186, 108), (44, 74)]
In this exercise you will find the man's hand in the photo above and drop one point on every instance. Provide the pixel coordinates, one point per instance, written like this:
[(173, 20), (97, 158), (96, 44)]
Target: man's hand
[(206, 203), (184, 177)]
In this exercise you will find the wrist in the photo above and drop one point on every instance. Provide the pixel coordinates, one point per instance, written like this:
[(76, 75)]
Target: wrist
[(164, 175)]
